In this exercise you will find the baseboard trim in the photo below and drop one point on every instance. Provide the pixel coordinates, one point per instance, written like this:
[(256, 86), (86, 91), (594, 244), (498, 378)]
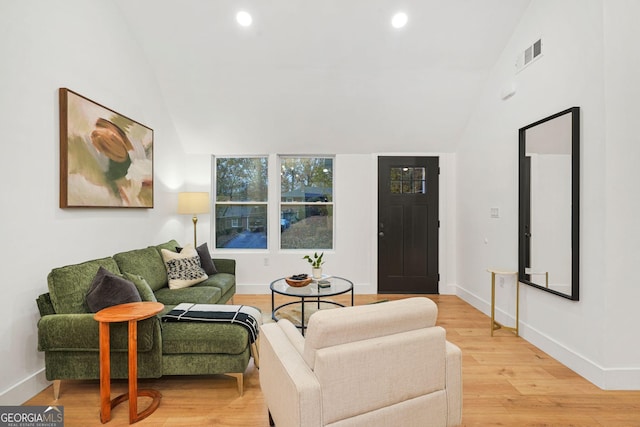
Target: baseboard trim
[(447, 289), (604, 378), (25, 389)]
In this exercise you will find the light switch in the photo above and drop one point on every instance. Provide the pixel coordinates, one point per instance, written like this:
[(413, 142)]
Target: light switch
[(495, 212)]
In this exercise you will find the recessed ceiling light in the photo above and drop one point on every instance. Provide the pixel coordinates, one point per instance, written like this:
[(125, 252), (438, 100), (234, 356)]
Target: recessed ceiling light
[(399, 20), (244, 18)]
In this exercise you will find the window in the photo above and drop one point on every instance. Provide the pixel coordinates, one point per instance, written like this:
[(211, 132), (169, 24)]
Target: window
[(241, 202), (306, 203), (408, 180)]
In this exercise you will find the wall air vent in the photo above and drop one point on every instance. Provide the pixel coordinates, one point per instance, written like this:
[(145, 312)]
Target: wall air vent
[(530, 54)]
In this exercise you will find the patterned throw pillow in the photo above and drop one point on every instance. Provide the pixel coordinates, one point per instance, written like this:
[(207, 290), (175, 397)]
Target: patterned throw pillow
[(206, 262), (183, 269)]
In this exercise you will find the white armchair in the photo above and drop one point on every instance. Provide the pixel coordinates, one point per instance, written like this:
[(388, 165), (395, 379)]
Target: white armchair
[(378, 365)]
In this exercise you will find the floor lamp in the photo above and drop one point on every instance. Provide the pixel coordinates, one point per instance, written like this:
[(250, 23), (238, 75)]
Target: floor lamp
[(193, 204)]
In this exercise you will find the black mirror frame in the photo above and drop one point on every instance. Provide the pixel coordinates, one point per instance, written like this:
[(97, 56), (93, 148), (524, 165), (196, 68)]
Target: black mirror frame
[(575, 204)]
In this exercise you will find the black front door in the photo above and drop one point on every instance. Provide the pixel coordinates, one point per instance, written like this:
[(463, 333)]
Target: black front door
[(408, 225)]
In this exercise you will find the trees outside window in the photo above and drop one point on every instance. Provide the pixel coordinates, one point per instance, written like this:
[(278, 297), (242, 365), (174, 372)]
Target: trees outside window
[(241, 202), (306, 202), (305, 208)]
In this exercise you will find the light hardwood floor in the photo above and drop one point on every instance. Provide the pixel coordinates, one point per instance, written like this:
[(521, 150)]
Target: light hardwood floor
[(506, 382)]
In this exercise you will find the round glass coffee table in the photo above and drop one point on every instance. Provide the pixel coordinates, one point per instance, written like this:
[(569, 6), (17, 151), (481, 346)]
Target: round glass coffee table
[(310, 293)]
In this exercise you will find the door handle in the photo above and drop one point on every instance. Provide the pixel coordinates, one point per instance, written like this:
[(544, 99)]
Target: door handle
[(381, 234)]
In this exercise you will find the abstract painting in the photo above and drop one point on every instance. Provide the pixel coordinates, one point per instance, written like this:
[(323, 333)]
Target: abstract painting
[(106, 159)]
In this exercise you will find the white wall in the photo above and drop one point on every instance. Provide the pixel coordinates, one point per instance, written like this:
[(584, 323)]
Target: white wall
[(355, 253), (590, 336), (83, 46), (622, 203)]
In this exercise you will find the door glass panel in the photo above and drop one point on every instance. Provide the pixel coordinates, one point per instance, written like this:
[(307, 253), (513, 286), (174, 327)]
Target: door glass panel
[(407, 180)]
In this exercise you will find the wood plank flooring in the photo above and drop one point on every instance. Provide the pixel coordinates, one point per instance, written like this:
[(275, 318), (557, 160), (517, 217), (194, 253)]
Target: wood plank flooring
[(506, 382)]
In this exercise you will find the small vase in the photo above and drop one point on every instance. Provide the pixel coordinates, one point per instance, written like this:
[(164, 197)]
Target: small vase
[(316, 273)]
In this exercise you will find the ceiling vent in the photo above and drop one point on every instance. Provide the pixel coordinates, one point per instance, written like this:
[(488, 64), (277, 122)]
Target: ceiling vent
[(529, 55)]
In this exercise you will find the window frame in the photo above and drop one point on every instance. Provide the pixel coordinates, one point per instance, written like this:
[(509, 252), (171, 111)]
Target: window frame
[(331, 204), (216, 202)]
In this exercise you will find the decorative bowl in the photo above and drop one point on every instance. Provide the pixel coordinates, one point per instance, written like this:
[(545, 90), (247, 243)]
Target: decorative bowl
[(298, 283)]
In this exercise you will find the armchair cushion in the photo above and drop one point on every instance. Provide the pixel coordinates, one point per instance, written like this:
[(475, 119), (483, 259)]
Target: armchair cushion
[(334, 327)]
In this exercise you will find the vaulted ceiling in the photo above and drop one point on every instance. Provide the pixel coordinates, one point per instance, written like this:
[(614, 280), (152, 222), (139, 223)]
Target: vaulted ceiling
[(326, 76)]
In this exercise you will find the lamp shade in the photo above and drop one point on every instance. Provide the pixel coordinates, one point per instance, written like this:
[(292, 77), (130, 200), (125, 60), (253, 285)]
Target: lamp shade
[(193, 203)]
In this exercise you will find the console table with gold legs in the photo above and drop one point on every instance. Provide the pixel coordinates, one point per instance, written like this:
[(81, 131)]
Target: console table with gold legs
[(495, 324), (131, 313)]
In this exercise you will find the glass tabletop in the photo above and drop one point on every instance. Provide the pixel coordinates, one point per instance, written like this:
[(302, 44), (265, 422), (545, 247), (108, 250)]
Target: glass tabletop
[(338, 285)]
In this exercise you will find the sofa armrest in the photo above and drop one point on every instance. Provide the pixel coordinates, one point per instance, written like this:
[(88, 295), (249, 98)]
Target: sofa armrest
[(225, 265), (291, 390), (454, 384), (80, 332)]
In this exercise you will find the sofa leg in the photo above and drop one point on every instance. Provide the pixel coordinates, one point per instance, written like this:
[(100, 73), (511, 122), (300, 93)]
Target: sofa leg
[(271, 423), (56, 389), (255, 355), (240, 380)]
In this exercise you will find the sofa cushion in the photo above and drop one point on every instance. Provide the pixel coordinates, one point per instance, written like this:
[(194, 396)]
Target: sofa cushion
[(196, 294), (80, 332), (201, 337), (108, 289), (145, 291), (183, 269), (222, 281), (146, 263), (171, 245), (68, 286)]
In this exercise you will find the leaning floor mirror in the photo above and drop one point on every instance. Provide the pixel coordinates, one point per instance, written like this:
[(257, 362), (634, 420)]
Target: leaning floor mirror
[(549, 200)]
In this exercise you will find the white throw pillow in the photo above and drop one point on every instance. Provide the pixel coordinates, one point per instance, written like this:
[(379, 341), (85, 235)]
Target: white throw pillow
[(183, 269)]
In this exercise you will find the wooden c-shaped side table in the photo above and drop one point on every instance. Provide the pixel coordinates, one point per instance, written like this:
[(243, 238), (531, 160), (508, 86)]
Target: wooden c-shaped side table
[(131, 313)]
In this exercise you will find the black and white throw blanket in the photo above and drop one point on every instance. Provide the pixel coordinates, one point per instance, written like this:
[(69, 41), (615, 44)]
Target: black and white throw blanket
[(248, 317)]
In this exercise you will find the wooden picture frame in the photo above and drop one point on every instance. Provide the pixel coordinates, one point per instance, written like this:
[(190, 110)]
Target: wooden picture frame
[(106, 159)]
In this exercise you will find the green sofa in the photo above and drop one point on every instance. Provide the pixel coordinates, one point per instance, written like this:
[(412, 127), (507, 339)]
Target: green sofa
[(68, 334)]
